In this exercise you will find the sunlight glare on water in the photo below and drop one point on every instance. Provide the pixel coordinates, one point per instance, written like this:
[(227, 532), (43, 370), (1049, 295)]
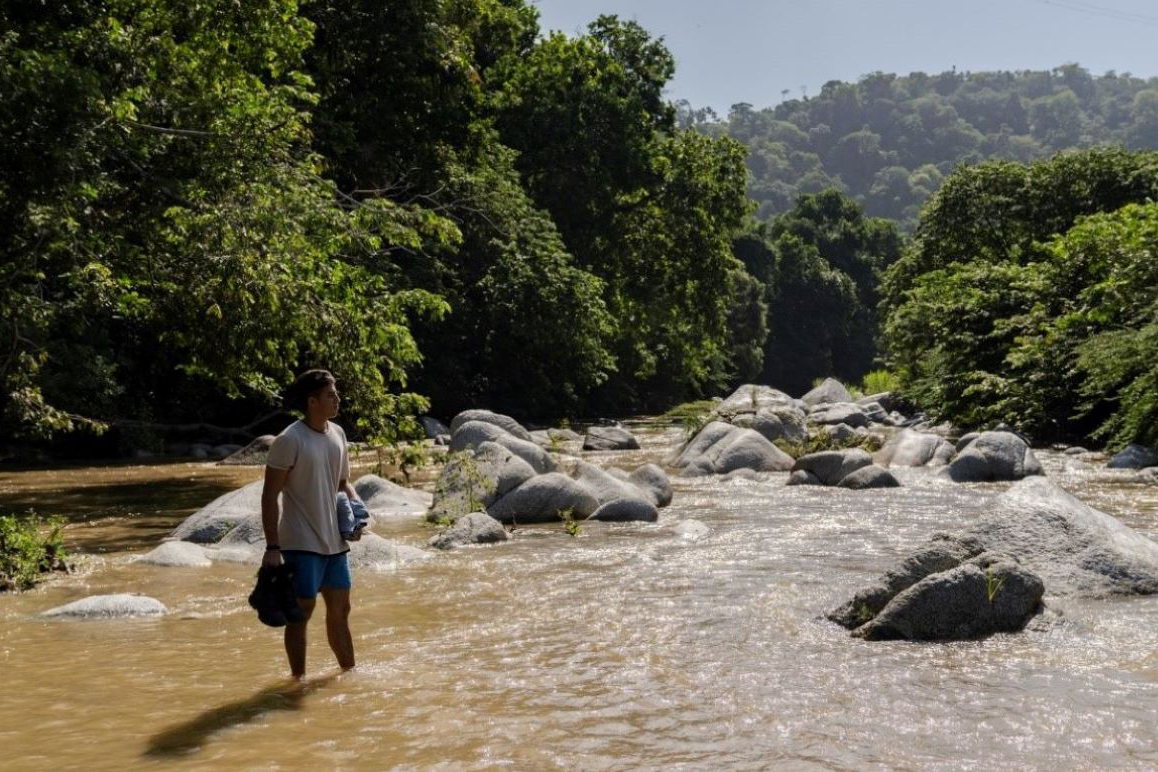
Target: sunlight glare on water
[(627, 647)]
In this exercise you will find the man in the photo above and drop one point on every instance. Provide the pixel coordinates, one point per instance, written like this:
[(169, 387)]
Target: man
[(308, 464)]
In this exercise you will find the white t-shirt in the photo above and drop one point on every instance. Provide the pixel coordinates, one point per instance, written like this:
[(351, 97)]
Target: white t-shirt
[(317, 462)]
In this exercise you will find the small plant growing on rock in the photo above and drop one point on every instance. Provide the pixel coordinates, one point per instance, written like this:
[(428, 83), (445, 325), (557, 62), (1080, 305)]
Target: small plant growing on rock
[(992, 584), (570, 524), (25, 554), (461, 487)]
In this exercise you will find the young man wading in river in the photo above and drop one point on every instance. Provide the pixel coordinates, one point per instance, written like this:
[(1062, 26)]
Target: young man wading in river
[(308, 464)]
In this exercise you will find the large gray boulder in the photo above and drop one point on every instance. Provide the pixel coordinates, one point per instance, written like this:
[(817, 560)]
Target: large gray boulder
[(389, 500), (871, 476), (117, 606), (605, 486), (1134, 456), (654, 482), (752, 398), (884, 398), (910, 448), (609, 438), (1073, 549), (433, 428), (208, 524), (472, 528), (542, 498), (994, 456), (626, 510), (720, 448), (504, 422), (539, 459), (468, 435), (180, 554), (831, 466), (830, 390), (469, 482), (775, 423), (839, 413), (985, 595)]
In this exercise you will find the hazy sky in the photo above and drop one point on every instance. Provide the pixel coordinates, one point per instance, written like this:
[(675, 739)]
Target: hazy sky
[(730, 51)]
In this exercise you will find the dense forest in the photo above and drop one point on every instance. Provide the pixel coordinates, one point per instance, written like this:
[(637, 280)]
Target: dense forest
[(449, 208), (889, 141)]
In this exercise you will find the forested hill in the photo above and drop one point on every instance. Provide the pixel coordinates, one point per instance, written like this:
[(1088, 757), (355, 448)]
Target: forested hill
[(889, 140)]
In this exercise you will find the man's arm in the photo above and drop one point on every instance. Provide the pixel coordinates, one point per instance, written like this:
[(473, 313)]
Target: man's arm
[(270, 511)]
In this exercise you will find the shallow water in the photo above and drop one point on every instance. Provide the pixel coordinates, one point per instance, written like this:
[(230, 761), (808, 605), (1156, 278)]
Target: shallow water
[(626, 647)]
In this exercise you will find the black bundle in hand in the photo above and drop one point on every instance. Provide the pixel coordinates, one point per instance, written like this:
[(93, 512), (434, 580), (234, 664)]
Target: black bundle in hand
[(274, 597)]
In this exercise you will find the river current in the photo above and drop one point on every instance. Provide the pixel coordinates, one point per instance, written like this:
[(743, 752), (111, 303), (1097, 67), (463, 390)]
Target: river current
[(626, 647)]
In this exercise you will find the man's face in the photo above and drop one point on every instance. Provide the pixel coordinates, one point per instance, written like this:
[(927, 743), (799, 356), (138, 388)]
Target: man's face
[(327, 400)]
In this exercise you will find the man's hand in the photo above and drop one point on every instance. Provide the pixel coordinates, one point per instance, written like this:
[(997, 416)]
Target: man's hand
[(271, 559)]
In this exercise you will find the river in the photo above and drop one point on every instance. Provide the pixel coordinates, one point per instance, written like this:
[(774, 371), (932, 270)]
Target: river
[(624, 647)]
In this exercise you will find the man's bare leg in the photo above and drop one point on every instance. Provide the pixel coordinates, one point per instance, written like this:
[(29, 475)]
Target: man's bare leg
[(338, 625), (295, 638)]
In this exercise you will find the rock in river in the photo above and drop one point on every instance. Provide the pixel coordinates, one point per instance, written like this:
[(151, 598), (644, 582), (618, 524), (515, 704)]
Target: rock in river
[(117, 606), (720, 448), (994, 456), (473, 528)]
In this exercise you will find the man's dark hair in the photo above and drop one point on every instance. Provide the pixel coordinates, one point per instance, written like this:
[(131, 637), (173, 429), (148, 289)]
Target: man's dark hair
[(306, 385)]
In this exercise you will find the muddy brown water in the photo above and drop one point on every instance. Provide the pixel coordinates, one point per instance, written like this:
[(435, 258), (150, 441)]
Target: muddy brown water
[(626, 647)]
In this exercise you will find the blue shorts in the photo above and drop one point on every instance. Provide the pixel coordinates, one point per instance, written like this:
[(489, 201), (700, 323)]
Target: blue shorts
[(313, 572)]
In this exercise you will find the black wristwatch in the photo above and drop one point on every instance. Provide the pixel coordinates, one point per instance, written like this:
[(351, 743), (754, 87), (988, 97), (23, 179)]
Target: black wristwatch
[(272, 548)]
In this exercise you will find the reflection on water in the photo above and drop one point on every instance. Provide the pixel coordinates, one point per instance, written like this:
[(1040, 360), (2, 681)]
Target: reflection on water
[(626, 647)]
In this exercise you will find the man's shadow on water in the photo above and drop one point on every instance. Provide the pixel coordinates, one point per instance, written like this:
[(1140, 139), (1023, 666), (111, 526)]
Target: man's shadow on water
[(190, 735)]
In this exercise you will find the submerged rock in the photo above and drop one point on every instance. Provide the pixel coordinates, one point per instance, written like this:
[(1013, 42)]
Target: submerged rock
[(210, 523), (117, 606), (473, 528), (609, 438), (181, 554), (626, 510), (994, 456), (831, 466), (1134, 456), (691, 530), (1071, 548), (871, 476)]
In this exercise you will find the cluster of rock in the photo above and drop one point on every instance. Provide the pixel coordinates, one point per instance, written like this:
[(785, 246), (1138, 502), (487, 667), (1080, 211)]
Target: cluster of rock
[(1035, 540), (851, 468), (497, 467)]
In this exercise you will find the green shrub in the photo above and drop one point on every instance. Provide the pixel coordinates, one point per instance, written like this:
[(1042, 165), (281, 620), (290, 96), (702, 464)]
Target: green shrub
[(25, 553), (880, 380)]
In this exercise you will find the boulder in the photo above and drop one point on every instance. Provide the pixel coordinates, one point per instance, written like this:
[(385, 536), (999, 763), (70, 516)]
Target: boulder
[(830, 390), (874, 412), (504, 422), (605, 486), (1074, 549), (987, 594), (252, 454), (470, 434), (374, 552), (871, 476), (910, 448), (653, 481), (774, 423), (839, 413), (626, 510), (473, 528), (208, 524), (224, 450), (803, 477), (116, 606), (609, 438), (994, 456), (538, 458), (841, 434), (832, 466), (542, 498), (467, 483), (1134, 456), (433, 428), (885, 399), (388, 500), (1075, 451), (964, 440), (182, 554), (752, 398), (720, 448), (690, 530)]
